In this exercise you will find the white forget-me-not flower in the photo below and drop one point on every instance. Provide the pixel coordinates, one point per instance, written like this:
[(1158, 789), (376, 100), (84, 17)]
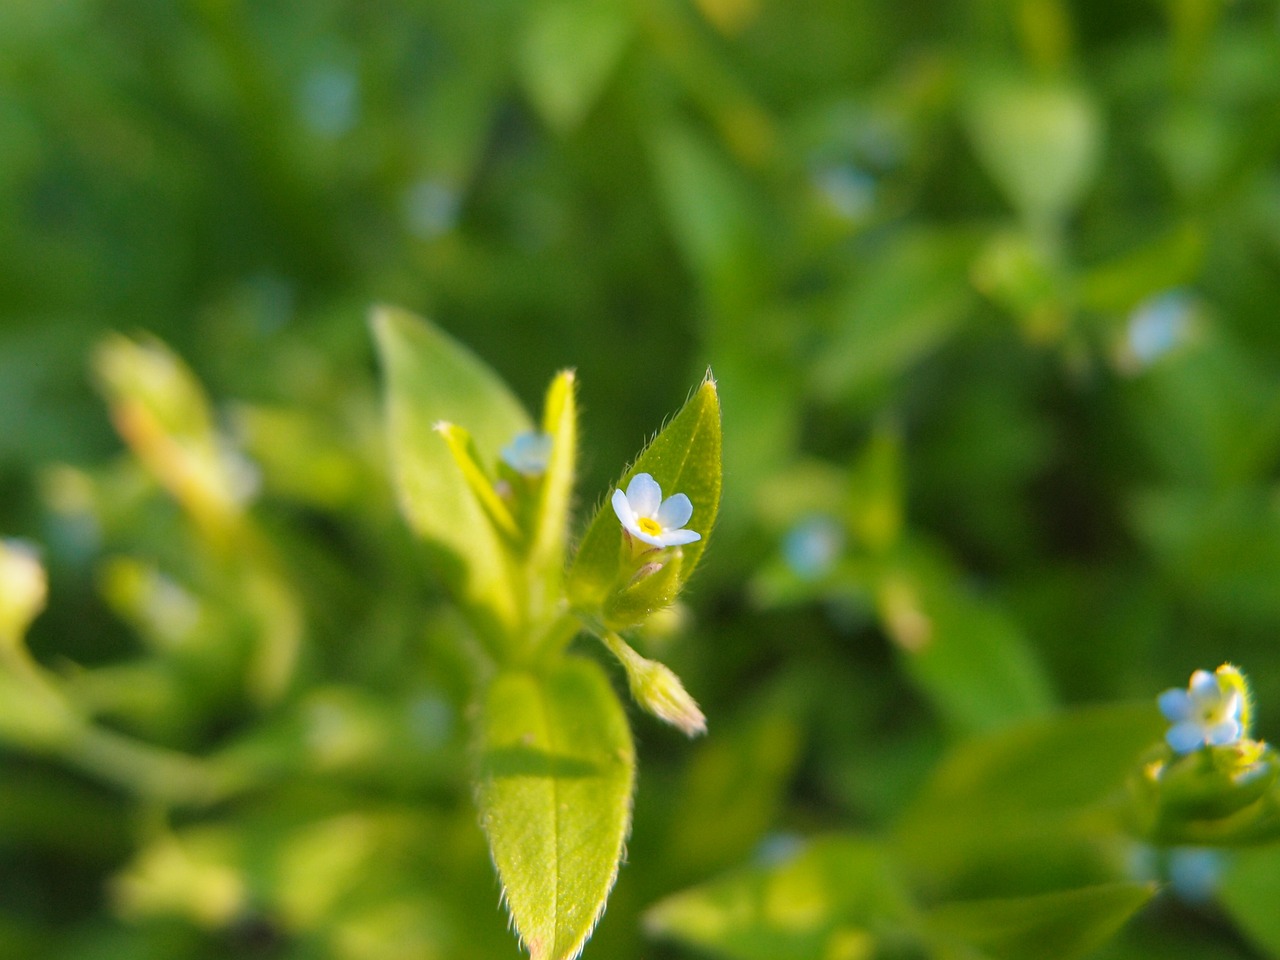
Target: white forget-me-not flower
[(649, 518), (1205, 714)]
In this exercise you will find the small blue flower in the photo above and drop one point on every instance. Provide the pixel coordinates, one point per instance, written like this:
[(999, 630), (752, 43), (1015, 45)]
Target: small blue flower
[(1160, 324), (528, 453), (812, 547), (649, 518), (1205, 714)]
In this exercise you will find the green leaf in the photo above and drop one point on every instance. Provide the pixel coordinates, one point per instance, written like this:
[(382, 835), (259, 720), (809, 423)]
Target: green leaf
[(570, 49), (904, 302), (556, 772), (683, 458), (1040, 142), (711, 213), (824, 902), (1049, 926), (1250, 893), (1170, 260), (1025, 808), (962, 650), (432, 378), (560, 422)]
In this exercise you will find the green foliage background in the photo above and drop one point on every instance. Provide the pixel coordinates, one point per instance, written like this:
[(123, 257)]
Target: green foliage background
[(989, 290)]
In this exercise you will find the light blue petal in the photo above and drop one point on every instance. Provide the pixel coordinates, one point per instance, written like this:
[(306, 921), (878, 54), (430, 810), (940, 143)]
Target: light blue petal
[(1221, 734), (649, 538), (675, 512), (677, 538), (622, 507), (644, 494), (1175, 704), (528, 453), (1204, 686), (1185, 737)]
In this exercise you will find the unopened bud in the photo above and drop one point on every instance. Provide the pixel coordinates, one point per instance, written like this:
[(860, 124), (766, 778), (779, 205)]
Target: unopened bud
[(658, 690)]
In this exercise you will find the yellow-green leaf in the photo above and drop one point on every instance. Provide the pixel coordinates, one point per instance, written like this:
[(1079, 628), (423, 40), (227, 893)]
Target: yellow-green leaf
[(560, 423), (430, 378), (557, 768), (683, 458)]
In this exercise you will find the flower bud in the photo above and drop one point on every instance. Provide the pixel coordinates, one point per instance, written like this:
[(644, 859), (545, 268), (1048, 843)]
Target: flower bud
[(658, 690)]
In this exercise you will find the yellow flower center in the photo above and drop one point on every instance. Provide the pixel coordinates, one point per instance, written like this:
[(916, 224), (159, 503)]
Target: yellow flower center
[(649, 526)]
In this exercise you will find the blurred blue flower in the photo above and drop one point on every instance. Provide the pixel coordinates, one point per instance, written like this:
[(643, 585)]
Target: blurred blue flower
[(431, 208), (649, 518), (848, 191), (1194, 873), (329, 101), (528, 453), (812, 546), (1205, 714), (1159, 324)]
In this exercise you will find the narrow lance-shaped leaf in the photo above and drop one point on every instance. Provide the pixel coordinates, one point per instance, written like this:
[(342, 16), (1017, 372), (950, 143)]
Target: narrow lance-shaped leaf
[(432, 378), (557, 768), (560, 423), (683, 458)]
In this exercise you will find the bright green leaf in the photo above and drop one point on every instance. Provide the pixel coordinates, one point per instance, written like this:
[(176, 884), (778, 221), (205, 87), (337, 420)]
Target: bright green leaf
[(824, 902), (569, 51), (1049, 926), (556, 773), (683, 458), (432, 378)]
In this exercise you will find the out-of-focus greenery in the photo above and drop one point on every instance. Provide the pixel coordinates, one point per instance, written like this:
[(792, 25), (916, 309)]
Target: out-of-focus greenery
[(989, 290)]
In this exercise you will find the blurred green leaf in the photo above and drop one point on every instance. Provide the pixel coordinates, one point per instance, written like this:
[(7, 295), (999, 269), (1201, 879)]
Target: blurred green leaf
[(1170, 260), (1040, 141), (556, 773), (432, 378), (569, 50), (904, 301), (829, 900), (711, 212), (1249, 892), (963, 650), (683, 458), (1049, 926), (1027, 806)]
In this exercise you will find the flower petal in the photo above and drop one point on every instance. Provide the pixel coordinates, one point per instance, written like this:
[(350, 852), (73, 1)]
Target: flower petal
[(1175, 704), (1185, 737), (1221, 734), (676, 538), (1233, 705), (1204, 686), (644, 495), (622, 507), (675, 512)]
